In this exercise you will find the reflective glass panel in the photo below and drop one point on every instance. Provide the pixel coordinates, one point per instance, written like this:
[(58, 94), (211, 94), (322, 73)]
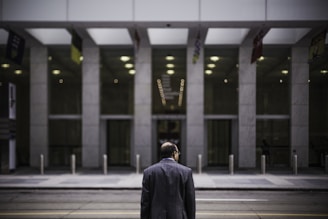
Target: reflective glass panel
[(169, 81), (117, 81), (65, 82), (221, 80), (272, 81)]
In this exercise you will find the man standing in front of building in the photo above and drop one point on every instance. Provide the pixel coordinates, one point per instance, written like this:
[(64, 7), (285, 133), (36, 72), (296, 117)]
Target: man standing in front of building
[(168, 190)]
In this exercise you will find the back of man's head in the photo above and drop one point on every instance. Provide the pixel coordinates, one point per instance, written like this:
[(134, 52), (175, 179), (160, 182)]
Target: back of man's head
[(167, 149)]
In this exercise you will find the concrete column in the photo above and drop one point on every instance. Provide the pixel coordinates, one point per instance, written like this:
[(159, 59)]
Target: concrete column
[(91, 108), (39, 105), (247, 109), (195, 106), (142, 126), (299, 109)]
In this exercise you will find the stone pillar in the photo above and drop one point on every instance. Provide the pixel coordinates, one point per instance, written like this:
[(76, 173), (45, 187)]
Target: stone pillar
[(195, 106), (142, 126), (91, 107), (299, 109), (247, 109), (39, 105)]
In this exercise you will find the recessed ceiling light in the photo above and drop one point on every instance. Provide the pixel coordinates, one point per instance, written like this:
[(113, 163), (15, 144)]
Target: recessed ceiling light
[(261, 58), (125, 58), (170, 72), (211, 65), (225, 81), (214, 58), (115, 81), (280, 81), (132, 71), (128, 65), (169, 58), (208, 71), (170, 65), (284, 71), (18, 71), (61, 81), (5, 65), (56, 71), (324, 71)]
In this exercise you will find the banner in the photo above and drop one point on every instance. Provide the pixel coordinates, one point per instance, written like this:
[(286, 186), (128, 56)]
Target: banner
[(257, 46), (76, 48), (136, 41), (317, 47), (197, 49), (15, 48)]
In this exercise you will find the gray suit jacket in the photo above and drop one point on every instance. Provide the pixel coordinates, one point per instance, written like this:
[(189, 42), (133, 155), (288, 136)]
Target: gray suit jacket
[(168, 191)]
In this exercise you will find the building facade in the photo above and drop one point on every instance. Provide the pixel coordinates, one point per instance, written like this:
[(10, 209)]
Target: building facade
[(172, 70)]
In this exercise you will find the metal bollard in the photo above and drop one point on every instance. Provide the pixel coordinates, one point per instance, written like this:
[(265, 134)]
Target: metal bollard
[(326, 163), (41, 164), (295, 164), (231, 166), (105, 164), (138, 163), (73, 166), (199, 163), (263, 164)]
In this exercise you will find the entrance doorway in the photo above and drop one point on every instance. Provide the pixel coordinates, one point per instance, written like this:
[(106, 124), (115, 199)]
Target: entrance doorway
[(218, 142), (168, 130), (118, 142)]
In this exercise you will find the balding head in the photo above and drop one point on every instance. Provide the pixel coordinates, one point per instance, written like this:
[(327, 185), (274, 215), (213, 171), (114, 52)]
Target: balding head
[(168, 149)]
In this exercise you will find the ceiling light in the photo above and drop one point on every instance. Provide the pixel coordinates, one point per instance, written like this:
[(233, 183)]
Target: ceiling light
[(324, 71), (49, 58), (284, 71), (18, 71), (61, 81), (169, 58), (261, 58), (225, 81), (56, 71), (214, 58), (208, 71), (170, 65), (280, 81), (170, 72), (5, 65), (115, 81), (128, 65), (211, 65), (132, 71), (81, 58), (125, 58)]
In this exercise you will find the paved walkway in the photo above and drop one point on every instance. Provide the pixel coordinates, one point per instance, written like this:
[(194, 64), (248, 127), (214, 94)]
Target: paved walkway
[(308, 180)]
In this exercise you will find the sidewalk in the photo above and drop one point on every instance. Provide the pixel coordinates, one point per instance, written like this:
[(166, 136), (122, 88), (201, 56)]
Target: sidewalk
[(208, 180)]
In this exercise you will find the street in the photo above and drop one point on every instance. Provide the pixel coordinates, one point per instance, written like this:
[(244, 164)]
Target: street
[(125, 204)]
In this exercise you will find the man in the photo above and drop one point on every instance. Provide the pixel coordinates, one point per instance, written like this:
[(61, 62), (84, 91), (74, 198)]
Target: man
[(168, 188)]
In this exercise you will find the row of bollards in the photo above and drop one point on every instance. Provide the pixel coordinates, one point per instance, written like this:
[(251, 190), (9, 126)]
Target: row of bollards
[(73, 164), (199, 164)]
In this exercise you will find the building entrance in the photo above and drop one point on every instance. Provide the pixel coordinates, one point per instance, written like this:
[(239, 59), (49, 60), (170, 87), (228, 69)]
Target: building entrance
[(168, 130), (118, 142), (218, 142)]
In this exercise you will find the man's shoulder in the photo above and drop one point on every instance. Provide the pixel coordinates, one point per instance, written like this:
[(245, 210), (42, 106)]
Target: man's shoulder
[(160, 164)]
